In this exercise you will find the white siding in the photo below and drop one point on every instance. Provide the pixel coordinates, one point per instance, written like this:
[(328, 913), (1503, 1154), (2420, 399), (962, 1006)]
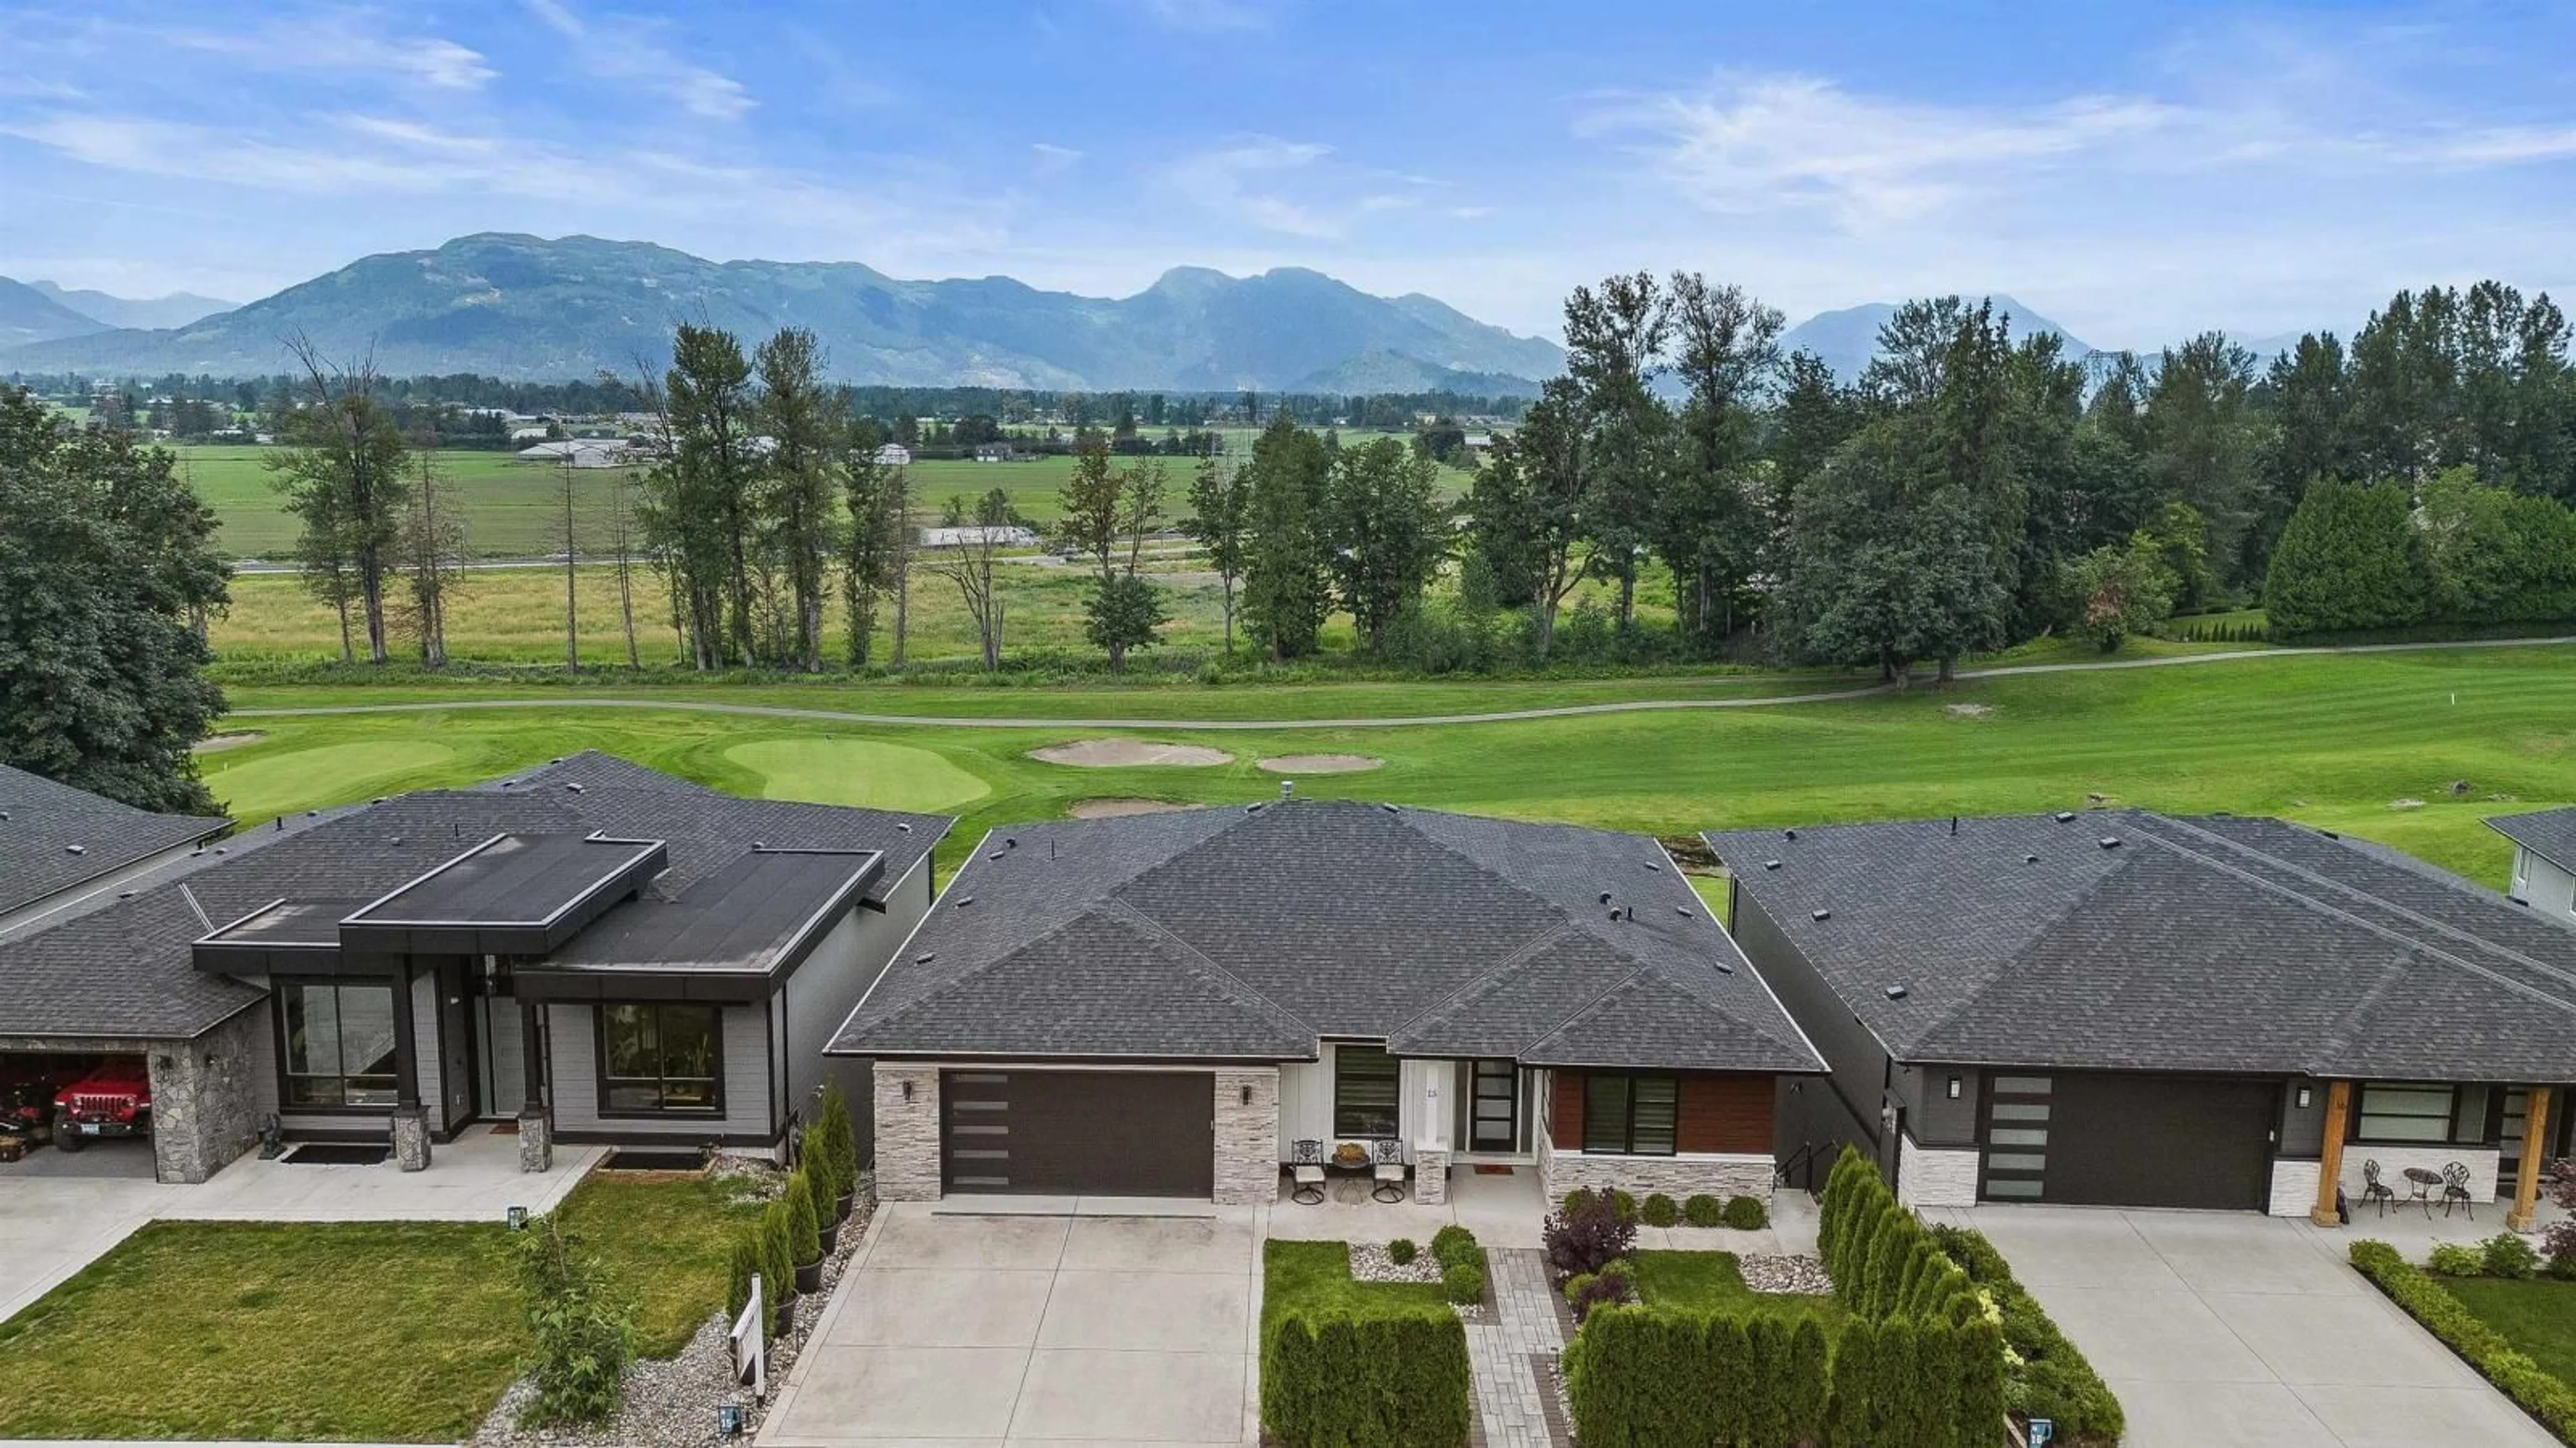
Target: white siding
[(2543, 886), (1426, 1104), (2294, 1187), (1306, 1102), (575, 1042), (425, 1048)]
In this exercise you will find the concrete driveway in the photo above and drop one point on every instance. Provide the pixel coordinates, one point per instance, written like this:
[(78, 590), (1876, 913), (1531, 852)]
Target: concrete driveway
[(961, 1329), (2224, 1329)]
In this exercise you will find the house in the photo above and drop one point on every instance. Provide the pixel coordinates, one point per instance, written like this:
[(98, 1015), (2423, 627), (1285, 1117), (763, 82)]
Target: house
[(2124, 1008), (892, 455), (61, 847), (1166, 1004), (593, 950), (2544, 859), (583, 452), (996, 452)]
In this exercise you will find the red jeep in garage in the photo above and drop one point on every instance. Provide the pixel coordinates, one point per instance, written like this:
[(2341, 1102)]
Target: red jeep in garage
[(114, 1099)]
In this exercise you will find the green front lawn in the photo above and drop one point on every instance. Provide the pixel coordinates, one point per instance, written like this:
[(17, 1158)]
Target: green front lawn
[(1711, 1280), (1316, 1277), (2537, 1316), (354, 1332)]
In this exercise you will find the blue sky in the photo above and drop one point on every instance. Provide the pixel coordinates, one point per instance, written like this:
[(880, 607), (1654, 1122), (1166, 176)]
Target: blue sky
[(2136, 172)]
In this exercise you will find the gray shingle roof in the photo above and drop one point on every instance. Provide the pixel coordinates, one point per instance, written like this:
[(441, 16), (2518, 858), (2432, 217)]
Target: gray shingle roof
[(127, 970), (1252, 933), (2548, 833), (54, 837), (2201, 944)]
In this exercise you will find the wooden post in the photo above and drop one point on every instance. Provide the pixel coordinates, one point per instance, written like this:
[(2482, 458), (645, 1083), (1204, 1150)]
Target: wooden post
[(2535, 1143), (2330, 1160)]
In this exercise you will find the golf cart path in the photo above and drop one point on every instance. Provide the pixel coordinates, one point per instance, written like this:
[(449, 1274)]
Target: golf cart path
[(1500, 716)]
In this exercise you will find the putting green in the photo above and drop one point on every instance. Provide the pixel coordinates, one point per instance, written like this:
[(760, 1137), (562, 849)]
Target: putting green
[(858, 772), (328, 774)]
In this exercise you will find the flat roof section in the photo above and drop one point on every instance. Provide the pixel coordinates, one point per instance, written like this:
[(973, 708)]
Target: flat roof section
[(725, 937), (510, 895), (290, 934)]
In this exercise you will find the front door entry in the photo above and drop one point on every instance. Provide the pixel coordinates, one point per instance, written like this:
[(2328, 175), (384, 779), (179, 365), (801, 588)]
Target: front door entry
[(457, 1072), (1494, 1107)]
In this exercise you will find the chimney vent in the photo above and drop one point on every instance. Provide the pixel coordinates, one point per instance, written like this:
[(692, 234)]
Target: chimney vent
[(1287, 788), (1823, 915)]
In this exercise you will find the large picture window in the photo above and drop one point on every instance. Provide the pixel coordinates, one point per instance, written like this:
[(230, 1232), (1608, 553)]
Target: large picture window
[(2399, 1112), (1364, 1092), (660, 1060), (1631, 1115), (339, 1045)]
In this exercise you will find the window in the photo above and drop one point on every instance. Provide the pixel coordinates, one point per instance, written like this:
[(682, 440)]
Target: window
[(2395, 1113), (1364, 1090), (1631, 1115), (339, 1045), (659, 1059)]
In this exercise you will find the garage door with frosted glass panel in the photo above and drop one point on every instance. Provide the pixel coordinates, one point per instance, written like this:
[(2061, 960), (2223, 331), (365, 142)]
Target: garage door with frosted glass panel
[(2129, 1141), (1108, 1133)]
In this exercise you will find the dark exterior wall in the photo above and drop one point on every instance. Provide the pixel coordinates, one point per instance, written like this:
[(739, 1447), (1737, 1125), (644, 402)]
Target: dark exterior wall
[(1858, 1064), (1932, 1118), (2303, 1133)]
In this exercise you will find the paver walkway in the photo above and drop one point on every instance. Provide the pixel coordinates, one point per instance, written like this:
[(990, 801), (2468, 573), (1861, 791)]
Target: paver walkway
[(1509, 1400)]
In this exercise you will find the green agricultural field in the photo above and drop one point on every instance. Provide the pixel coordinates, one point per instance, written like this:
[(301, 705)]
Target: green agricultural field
[(2368, 743), (513, 509)]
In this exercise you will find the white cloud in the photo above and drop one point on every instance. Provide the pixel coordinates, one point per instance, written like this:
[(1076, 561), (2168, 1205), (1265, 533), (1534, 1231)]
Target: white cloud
[(1750, 143), (1050, 159), (622, 50), (1241, 177), (338, 41)]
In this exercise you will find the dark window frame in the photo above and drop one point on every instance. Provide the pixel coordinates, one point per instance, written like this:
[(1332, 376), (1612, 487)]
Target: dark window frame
[(287, 1076), (602, 1080), (1627, 1124), (2450, 1138), (1394, 1104)]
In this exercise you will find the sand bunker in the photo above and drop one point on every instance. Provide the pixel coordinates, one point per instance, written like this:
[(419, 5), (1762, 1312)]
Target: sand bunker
[(1320, 763), (1971, 711), (1103, 809), (1125, 753), (226, 741)]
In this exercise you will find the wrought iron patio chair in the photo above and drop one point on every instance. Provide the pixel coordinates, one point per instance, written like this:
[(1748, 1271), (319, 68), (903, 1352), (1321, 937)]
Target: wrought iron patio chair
[(2375, 1190), (1388, 1167), (2455, 1188), (1306, 1173)]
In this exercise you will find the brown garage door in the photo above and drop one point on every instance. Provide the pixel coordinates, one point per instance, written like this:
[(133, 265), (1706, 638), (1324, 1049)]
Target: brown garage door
[(2129, 1141), (1118, 1133)]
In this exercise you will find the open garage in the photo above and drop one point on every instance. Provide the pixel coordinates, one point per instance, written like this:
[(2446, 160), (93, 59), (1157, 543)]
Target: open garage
[(75, 1113)]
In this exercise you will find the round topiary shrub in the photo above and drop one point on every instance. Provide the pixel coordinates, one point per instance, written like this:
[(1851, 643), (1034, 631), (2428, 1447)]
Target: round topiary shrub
[(1703, 1210), (1746, 1214), (1659, 1211), (1625, 1202), (2508, 1255), (1463, 1282), (1401, 1251), (1453, 1243)]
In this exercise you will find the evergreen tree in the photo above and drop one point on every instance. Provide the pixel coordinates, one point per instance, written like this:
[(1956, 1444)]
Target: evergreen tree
[(2351, 558), (1285, 592)]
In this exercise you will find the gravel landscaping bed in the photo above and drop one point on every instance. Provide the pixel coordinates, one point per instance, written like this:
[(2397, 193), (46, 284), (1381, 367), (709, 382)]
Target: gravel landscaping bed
[(1802, 1275), (1369, 1263), (671, 1402)]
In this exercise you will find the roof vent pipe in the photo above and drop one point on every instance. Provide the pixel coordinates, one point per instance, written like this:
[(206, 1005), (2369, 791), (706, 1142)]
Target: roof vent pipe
[(1822, 915), (1287, 787), (1954, 827), (2110, 842), (1896, 992)]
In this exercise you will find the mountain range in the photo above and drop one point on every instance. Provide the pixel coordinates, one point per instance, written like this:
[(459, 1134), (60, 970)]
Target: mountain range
[(527, 307), (1847, 339), (44, 312)]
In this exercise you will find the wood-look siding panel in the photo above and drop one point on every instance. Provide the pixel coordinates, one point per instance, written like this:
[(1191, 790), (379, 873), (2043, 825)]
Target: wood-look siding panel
[(1725, 1113)]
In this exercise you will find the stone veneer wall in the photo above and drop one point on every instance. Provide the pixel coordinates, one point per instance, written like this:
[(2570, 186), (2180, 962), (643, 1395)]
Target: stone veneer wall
[(1431, 1175), (1928, 1178), (2393, 1161), (2294, 1187), (205, 1103), (1247, 1136), (1731, 1175), (907, 1133)]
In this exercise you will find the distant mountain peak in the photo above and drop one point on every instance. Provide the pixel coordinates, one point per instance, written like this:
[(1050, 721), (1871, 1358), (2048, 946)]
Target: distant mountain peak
[(1847, 337), (513, 305)]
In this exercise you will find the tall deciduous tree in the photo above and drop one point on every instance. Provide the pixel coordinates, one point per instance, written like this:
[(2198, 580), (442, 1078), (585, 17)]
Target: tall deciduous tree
[(433, 557), (107, 571), (1527, 509), (800, 478), (1726, 350), (970, 565), (1614, 345), (878, 534), (1385, 532), (1220, 522), (342, 477), (1285, 592), (698, 508)]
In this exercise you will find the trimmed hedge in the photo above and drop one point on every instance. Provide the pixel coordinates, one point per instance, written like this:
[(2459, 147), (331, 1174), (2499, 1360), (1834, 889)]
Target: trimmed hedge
[(1883, 1260), (1397, 1378), (2053, 1380), (1645, 1377), (2533, 1389)]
